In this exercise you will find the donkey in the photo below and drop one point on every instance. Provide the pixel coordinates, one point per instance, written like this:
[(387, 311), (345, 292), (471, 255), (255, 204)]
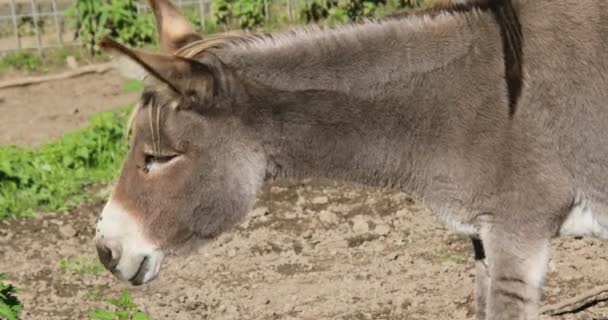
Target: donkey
[(489, 113)]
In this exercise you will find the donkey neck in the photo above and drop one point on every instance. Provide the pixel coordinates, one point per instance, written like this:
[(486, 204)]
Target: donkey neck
[(376, 103)]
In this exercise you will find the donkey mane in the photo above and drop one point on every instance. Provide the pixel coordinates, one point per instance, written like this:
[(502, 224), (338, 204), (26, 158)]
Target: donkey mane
[(247, 40), (502, 11)]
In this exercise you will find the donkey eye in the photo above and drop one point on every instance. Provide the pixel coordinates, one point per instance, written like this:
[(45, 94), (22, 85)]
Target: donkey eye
[(153, 161)]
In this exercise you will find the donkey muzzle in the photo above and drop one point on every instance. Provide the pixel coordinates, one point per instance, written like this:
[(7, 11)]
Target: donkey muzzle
[(123, 248)]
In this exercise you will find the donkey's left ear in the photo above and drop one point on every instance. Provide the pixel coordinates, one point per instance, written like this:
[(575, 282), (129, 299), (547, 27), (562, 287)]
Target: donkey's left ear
[(177, 73), (174, 30)]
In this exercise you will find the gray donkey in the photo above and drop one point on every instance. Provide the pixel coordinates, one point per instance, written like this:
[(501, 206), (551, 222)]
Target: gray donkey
[(491, 113)]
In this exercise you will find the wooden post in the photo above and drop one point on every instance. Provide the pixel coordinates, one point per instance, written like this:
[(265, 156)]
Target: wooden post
[(36, 30), (201, 12), (266, 12), (15, 24), (289, 16), (56, 20)]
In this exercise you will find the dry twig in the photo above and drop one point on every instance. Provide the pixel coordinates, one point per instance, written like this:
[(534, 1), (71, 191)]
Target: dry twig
[(578, 302), (99, 68)]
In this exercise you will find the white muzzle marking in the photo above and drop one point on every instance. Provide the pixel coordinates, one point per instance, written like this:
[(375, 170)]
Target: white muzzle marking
[(140, 259)]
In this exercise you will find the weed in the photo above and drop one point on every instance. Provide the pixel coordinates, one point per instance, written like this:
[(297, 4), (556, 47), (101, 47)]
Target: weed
[(118, 18), (10, 306), (132, 86), (52, 177), (457, 259), (123, 309), (81, 265), (21, 61)]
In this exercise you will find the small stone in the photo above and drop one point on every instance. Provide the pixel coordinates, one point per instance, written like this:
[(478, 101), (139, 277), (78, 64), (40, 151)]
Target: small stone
[(382, 229), (320, 200), (328, 217), (360, 225), (68, 231), (71, 62), (232, 253), (260, 212)]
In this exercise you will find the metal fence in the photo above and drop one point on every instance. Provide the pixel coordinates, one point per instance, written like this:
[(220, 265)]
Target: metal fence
[(41, 24)]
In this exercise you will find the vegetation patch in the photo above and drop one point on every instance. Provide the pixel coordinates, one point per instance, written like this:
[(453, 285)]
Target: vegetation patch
[(123, 308), (10, 306), (81, 265), (53, 177), (132, 86), (21, 61)]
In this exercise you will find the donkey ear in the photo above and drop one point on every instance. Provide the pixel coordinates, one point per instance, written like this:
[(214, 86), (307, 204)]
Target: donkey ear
[(174, 30), (178, 73)]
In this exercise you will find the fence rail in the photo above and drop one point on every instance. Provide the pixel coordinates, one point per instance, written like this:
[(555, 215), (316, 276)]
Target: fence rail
[(41, 24)]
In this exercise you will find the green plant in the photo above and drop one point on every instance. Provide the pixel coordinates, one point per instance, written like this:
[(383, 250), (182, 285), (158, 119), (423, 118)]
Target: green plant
[(357, 9), (247, 13), (456, 259), (21, 61), (52, 177), (316, 10), (132, 85), (10, 306), (123, 309), (81, 265), (340, 11), (117, 18)]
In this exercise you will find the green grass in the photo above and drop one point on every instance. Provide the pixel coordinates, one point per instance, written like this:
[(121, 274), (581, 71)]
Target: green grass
[(53, 177), (123, 309), (457, 259), (52, 59), (21, 61), (10, 306), (81, 265), (132, 86)]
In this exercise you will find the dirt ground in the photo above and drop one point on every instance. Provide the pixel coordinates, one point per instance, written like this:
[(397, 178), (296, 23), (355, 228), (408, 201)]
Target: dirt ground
[(32, 115), (310, 249)]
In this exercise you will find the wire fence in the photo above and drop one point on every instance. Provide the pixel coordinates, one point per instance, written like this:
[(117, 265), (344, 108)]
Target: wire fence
[(41, 24)]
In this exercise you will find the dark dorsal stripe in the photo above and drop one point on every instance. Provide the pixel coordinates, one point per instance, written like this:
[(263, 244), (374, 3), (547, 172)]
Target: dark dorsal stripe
[(510, 32), (512, 40)]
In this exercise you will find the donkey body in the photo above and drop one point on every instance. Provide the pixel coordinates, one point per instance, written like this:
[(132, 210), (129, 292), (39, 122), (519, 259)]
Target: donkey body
[(421, 104)]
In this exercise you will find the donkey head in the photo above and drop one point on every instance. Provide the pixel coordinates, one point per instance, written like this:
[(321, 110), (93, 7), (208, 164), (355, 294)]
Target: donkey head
[(192, 168)]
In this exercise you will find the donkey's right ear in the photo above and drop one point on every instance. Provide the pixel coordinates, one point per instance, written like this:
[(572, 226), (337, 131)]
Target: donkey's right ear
[(177, 73)]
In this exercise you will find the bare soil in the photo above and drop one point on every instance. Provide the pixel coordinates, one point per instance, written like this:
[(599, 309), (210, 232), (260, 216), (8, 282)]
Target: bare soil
[(32, 115), (310, 249)]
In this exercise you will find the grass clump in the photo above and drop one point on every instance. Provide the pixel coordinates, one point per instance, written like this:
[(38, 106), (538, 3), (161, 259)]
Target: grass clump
[(10, 306), (81, 265), (132, 86), (21, 61), (123, 309), (52, 177)]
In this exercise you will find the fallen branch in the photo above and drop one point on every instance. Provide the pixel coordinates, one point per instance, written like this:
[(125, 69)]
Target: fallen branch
[(98, 68), (578, 302)]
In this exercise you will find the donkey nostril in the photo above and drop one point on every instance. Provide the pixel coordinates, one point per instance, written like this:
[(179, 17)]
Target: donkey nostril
[(109, 254)]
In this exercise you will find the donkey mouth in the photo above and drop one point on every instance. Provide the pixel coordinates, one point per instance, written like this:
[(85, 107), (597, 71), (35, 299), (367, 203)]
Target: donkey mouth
[(148, 270), (140, 275)]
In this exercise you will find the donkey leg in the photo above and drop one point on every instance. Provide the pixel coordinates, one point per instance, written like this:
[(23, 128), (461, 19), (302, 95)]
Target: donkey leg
[(482, 280), (517, 265)]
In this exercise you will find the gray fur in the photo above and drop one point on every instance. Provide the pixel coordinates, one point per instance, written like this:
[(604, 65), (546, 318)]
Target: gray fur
[(417, 104)]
